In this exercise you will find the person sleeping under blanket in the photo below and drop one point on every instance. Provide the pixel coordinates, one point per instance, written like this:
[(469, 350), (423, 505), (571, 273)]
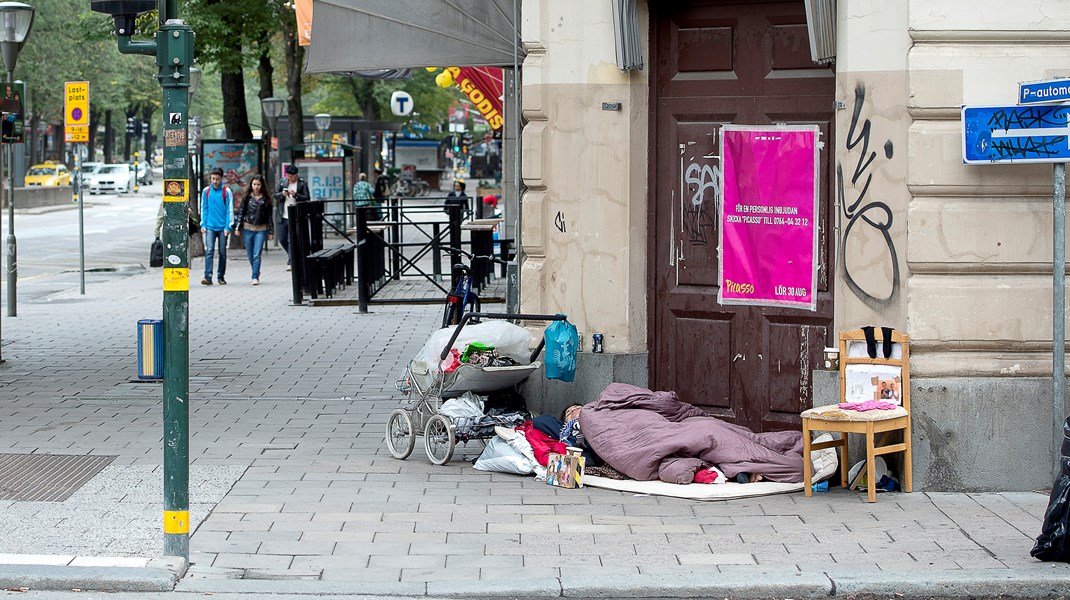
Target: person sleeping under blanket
[(651, 435)]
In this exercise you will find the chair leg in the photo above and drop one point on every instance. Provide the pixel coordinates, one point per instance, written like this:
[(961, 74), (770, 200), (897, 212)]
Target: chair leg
[(808, 465), (908, 461), (871, 469), (844, 459)]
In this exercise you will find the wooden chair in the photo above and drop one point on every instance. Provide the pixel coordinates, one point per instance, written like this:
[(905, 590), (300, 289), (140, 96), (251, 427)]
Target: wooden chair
[(855, 363)]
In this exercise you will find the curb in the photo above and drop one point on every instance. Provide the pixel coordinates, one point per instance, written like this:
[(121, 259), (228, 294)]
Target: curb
[(160, 575)]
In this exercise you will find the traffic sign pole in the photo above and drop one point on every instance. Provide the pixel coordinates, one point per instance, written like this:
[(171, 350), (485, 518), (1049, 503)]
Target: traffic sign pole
[(173, 49), (1058, 260)]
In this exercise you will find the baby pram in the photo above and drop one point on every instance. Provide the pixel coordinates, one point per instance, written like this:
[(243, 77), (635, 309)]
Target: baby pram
[(427, 386)]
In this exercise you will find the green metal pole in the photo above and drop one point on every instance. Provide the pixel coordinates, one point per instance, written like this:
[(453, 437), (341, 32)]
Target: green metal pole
[(175, 57), (173, 49)]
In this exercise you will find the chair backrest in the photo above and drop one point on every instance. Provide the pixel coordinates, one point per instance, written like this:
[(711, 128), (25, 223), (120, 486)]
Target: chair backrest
[(882, 378)]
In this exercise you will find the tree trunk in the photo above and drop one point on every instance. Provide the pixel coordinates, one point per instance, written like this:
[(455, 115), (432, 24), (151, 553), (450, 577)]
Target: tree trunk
[(235, 116), (295, 58), (265, 71), (109, 137), (146, 149), (94, 121), (126, 136)]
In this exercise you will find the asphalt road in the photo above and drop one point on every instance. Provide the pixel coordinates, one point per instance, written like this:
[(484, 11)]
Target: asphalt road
[(118, 233)]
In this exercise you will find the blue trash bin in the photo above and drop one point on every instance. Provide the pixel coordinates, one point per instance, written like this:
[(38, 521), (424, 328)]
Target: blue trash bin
[(150, 349)]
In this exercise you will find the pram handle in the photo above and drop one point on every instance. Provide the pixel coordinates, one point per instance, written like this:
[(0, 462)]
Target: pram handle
[(511, 317)]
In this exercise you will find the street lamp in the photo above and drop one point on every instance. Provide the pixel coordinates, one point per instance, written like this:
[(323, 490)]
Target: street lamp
[(16, 19), (323, 121), (272, 107)]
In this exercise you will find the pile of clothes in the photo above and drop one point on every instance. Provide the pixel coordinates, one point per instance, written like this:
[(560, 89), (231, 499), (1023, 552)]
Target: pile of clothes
[(476, 354)]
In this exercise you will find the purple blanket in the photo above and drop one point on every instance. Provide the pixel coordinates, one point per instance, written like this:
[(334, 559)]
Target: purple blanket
[(653, 435)]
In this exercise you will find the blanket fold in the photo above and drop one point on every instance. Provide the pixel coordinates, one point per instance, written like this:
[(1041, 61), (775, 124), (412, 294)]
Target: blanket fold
[(646, 434)]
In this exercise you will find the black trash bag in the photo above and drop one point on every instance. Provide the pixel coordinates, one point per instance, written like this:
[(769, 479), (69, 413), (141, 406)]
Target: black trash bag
[(1054, 541)]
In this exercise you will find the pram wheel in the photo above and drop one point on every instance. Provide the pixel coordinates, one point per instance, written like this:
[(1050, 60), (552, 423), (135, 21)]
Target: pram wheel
[(439, 441), (400, 434)]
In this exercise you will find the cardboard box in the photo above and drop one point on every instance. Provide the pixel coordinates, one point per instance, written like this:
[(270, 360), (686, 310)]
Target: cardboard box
[(565, 470)]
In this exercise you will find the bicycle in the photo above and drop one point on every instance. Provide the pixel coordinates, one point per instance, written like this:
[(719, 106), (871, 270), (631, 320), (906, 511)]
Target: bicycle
[(462, 299)]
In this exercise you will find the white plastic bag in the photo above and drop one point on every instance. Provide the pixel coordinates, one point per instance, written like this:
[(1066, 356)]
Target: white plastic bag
[(467, 406), (508, 339), (512, 456)]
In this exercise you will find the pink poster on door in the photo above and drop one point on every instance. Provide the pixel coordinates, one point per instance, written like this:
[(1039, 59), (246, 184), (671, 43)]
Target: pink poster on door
[(768, 233)]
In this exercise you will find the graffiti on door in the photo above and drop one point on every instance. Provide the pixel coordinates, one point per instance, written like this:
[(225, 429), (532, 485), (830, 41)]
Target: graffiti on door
[(701, 193)]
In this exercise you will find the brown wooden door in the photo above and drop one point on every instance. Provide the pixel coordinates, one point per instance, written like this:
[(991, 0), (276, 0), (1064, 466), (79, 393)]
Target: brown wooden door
[(739, 62)]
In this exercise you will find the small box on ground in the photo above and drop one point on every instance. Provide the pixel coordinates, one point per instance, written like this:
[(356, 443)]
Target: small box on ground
[(565, 470)]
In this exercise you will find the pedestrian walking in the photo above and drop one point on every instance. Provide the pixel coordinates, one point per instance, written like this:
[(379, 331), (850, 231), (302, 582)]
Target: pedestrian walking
[(254, 219), (364, 195), (382, 187), (217, 220), (457, 197), (290, 192)]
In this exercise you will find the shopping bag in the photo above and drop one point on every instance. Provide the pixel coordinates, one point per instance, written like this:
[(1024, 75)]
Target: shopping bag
[(156, 254), (562, 342)]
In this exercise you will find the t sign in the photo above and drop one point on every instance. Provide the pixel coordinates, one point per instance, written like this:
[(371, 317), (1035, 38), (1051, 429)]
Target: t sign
[(400, 103)]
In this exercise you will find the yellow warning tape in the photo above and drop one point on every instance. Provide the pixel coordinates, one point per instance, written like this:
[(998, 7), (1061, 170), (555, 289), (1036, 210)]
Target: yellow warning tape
[(176, 521)]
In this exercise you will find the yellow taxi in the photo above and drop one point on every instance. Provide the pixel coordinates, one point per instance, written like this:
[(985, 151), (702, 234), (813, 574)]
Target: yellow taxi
[(48, 173)]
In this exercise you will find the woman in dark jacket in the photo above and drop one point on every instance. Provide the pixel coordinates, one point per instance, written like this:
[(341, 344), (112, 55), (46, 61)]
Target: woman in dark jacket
[(254, 218)]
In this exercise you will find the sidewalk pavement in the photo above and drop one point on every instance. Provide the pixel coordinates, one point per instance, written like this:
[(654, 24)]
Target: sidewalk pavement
[(294, 492)]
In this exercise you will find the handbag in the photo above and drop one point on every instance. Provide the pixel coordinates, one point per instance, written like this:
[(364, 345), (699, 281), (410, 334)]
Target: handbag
[(156, 253)]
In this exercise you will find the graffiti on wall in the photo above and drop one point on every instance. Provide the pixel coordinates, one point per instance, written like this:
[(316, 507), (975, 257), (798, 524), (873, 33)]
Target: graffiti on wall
[(860, 208), (702, 183)]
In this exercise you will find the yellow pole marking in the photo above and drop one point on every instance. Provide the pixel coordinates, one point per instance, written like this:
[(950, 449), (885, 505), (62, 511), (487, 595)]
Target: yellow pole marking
[(176, 521), (176, 280)]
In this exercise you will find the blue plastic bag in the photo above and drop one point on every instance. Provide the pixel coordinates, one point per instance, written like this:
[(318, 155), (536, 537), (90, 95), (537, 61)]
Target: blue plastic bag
[(562, 342)]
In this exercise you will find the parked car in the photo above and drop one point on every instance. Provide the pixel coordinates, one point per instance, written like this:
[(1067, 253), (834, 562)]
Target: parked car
[(144, 173), (112, 178), (48, 173), (90, 171)]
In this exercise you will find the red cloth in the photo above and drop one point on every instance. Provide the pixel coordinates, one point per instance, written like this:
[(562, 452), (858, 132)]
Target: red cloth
[(706, 476), (541, 443)]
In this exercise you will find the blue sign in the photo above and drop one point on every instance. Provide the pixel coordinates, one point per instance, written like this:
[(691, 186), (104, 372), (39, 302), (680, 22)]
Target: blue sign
[(1039, 92), (1015, 134)]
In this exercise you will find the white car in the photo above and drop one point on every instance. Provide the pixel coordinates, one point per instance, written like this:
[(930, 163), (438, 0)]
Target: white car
[(111, 178)]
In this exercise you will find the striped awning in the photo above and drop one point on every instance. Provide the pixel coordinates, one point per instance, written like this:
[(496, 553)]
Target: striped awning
[(626, 35), (821, 24), (359, 35)]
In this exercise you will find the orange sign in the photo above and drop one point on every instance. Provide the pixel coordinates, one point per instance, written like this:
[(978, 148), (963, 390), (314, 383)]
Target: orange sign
[(304, 21), (483, 86)]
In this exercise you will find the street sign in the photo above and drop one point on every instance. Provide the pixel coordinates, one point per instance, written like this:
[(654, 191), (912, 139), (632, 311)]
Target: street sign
[(76, 134), (76, 109), (1039, 92), (1015, 134), (400, 103)]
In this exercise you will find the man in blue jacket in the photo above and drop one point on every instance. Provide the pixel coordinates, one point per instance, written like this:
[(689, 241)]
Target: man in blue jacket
[(217, 219)]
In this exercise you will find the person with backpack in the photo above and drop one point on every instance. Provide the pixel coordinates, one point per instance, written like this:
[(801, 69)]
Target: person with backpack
[(217, 220)]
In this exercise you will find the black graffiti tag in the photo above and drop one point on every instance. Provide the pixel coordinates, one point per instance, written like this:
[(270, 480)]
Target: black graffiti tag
[(873, 213)]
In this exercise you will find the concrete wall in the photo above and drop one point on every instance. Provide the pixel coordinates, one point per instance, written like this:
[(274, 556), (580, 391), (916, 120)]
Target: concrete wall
[(585, 169), (38, 196)]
